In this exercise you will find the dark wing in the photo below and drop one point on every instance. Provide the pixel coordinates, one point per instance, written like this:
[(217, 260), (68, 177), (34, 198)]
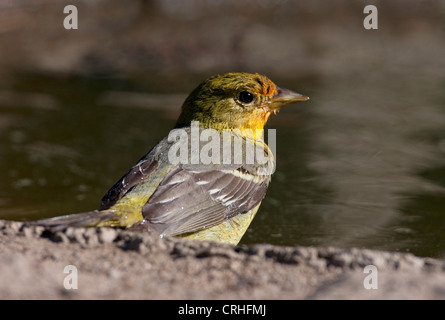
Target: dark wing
[(133, 177), (191, 199)]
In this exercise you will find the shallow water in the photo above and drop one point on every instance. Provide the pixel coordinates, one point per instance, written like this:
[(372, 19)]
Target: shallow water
[(360, 167), (364, 170)]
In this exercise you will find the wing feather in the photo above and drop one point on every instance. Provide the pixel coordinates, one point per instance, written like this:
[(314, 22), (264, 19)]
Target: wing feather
[(185, 198), (191, 203), (132, 178)]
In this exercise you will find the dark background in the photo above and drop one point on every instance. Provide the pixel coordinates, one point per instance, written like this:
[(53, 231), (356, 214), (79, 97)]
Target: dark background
[(361, 164)]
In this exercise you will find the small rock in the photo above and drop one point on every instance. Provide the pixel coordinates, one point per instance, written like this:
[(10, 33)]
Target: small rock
[(107, 235)]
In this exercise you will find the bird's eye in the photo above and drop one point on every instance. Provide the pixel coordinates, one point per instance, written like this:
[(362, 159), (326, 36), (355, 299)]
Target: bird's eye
[(246, 97)]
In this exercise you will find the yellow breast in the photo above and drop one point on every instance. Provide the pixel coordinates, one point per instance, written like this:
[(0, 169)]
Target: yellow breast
[(230, 231)]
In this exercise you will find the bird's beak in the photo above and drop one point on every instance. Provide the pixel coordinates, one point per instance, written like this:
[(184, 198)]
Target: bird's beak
[(285, 97)]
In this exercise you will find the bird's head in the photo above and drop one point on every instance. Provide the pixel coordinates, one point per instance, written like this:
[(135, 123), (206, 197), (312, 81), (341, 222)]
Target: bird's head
[(236, 100)]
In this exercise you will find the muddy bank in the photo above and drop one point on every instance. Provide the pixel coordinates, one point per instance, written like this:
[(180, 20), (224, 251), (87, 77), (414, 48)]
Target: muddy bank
[(114, 264)]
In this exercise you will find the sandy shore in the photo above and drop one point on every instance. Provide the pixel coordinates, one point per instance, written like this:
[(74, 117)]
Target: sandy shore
[(115, 264)]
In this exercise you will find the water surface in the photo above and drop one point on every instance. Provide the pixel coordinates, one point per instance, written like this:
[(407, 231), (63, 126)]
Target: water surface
[(358, 165)]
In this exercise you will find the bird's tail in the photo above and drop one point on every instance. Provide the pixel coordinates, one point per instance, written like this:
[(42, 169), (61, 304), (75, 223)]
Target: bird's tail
[(83, 219)]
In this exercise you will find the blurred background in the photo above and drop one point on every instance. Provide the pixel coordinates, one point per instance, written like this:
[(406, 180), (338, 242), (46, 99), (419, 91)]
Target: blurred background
[(362, 164)]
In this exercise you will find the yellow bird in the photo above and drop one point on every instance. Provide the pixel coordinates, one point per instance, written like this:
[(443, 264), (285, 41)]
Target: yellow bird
[(171, 191)]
